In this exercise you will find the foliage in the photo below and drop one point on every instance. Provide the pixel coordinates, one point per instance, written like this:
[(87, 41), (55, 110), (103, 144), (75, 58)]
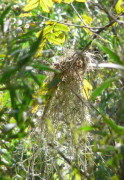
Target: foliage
[(61, 114)]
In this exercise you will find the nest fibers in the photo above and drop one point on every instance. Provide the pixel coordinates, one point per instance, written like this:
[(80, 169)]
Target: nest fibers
[(65, 111), (66, 99)]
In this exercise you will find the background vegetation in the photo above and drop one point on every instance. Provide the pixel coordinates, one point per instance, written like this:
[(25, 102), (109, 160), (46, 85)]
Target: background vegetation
[(60, 119)]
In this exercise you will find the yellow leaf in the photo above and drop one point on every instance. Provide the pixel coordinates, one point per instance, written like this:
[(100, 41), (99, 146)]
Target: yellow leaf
[(34, 109), (40, 49), (87, 84), (87, 87), (47, 29), (81, 0), (50, 22), (37, 34), (49, 3), (57, 34), (57, 1), (61, 27), (53, 33), (3, 56), (85, 94), (42, 91), (119, 7), (56, 38), (44, 5), (77, 177), (25, 14), (32, 4), (68, 1), (88, 20)]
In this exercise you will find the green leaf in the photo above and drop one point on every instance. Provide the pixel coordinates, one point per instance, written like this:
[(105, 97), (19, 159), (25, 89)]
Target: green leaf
[(113, 125), (35, 78), (5, 12), (25, 59), (102, 87), (114, 57), (7, 74), (3, 15), (86, 128)]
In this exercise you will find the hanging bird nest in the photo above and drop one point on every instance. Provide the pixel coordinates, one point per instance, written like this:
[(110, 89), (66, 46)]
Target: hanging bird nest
[(65, 111), (65, 101)]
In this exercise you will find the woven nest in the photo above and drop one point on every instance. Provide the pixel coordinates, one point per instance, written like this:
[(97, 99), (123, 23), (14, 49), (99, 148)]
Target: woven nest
[(65, 101), (72, 65), (66, 112)]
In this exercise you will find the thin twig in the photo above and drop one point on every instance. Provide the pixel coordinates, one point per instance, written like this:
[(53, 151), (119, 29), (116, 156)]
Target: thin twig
[(97, 33), (101, 7), (68, 24), (78, 14), (81, 18)]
